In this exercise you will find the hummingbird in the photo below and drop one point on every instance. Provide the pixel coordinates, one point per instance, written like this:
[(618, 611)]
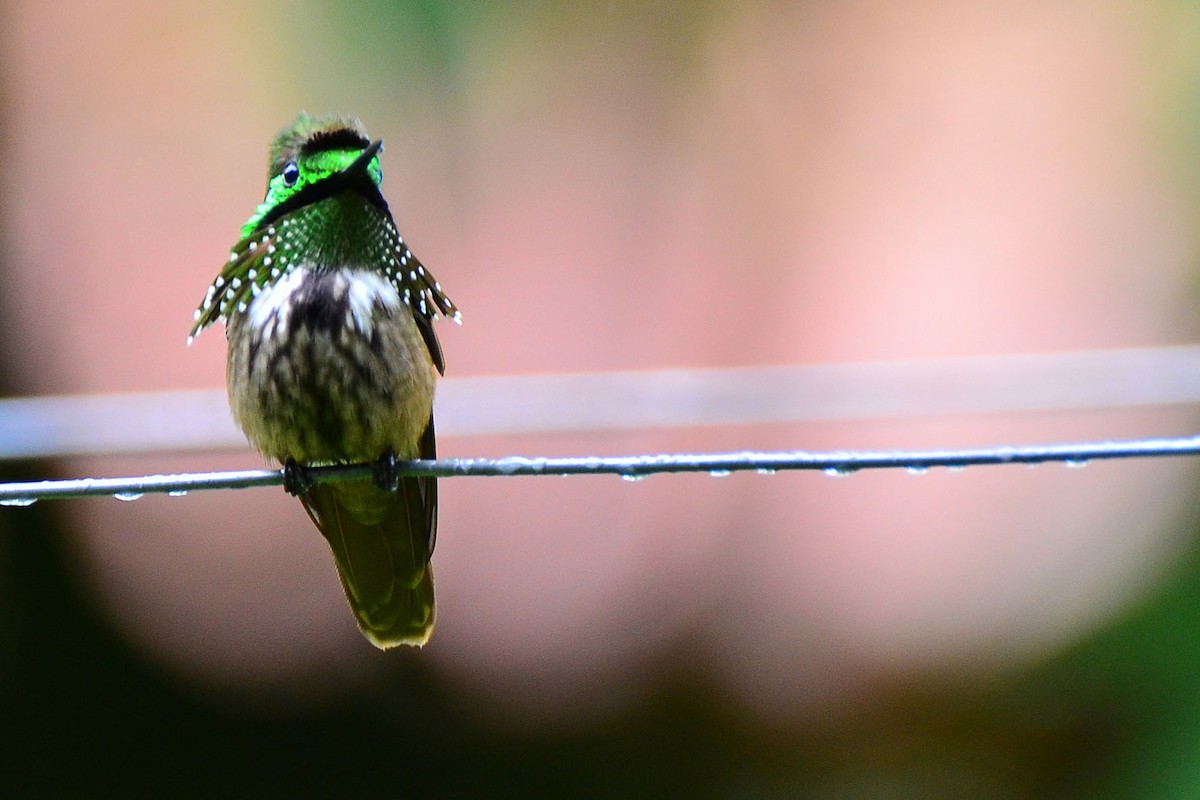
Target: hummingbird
[(332, 359)]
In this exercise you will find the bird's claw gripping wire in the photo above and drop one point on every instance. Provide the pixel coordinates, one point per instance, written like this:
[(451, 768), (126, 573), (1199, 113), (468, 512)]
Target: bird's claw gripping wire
[(385, 472), (296, 479)]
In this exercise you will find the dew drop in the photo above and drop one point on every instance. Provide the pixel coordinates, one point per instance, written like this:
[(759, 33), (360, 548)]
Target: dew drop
[(916, 470), (128, 497), (719, 473), (177, 493), (1075, 463), (633, 477), (839, 472), (18, 502), (765, 471)]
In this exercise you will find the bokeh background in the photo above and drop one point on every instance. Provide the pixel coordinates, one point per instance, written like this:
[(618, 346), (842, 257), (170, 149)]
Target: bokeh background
[(619, 185)]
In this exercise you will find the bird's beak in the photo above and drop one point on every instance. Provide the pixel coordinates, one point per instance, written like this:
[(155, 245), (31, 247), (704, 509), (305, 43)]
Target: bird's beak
[(360, 164)]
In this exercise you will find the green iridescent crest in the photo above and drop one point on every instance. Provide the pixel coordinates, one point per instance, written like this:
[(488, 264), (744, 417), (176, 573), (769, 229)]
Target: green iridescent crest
[(313, 165)]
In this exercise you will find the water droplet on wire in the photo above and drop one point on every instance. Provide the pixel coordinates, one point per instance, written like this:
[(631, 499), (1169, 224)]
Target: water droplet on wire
[(18, 502)]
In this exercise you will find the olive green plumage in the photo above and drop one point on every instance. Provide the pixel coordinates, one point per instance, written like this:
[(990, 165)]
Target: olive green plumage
[(332, 359)]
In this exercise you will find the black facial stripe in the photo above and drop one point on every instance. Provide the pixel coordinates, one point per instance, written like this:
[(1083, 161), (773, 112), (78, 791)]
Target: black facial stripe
[(322, 190), (354, 177)]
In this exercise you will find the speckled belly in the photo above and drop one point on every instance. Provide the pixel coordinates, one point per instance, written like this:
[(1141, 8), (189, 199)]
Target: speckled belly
[(329, 366)]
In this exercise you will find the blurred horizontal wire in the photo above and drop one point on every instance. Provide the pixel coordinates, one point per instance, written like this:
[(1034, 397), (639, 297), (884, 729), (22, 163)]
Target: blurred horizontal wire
[(629, 467), (528, 404)]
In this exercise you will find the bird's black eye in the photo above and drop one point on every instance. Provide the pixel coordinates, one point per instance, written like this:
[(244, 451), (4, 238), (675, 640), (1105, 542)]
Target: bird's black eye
[(291, 173)]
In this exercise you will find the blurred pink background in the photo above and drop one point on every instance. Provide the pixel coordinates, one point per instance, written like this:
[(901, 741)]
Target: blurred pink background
[(632, 186)]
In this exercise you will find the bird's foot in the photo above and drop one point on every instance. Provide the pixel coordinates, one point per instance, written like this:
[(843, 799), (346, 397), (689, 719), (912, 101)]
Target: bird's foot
[(296, 480), (384, 472)]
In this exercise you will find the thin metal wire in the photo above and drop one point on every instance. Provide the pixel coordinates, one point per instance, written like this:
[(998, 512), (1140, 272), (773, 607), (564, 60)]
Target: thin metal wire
[(629, 467)]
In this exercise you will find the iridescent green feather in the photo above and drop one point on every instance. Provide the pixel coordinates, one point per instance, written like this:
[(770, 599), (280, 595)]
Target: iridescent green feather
[(268, 250)]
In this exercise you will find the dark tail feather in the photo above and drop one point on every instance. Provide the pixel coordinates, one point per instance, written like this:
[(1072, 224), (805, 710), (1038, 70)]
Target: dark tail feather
[(381, 543)]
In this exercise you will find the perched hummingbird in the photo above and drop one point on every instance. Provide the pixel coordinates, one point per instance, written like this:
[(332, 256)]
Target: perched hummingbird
[(332, 359)]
